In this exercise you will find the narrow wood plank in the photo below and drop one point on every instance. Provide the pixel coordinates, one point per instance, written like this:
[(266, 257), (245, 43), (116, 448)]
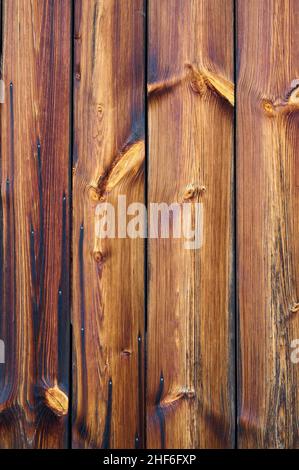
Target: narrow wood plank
[(34, 320), (108, 274), (190, 380), (268, 199)]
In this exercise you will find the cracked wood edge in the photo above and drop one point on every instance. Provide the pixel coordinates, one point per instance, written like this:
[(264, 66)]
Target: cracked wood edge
[(108, 275), (267, 208), (34, 320), (190, 362)]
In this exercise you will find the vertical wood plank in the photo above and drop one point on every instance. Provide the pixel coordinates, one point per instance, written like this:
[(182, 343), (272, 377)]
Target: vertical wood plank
[(268, 198), (108, 274), (190, 379), (34, 320)]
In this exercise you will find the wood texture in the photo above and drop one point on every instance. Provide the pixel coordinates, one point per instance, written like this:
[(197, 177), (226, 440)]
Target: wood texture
[(268, 198), (108, 274), (34, 255), (190, 374), (86, 90)]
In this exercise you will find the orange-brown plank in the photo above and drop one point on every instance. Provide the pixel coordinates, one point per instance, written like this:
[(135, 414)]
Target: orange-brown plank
[(268, 207), (190, 378), (34, 224), (108, 274)]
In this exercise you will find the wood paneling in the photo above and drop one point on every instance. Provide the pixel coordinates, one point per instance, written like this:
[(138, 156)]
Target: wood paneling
[(75, 77), (108, 274), (190, 374), (34, 252), (267, 220)]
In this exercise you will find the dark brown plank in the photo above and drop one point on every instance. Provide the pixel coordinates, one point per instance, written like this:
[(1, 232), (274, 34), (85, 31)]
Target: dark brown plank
[(34, 320)]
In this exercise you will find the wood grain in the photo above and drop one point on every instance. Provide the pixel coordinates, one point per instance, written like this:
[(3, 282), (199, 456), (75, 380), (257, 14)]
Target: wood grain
[(187, 399), (267, 210), (108, 274), (190, 374), (34, 254)]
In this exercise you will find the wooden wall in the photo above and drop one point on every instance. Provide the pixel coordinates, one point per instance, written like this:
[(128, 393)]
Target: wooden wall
[(123, 343)]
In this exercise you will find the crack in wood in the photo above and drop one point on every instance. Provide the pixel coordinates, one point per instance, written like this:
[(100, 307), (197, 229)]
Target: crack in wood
[(107, 429), (160, 412)]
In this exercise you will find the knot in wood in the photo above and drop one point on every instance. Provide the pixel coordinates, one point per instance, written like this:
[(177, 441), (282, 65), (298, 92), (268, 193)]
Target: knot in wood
[(57, 401)]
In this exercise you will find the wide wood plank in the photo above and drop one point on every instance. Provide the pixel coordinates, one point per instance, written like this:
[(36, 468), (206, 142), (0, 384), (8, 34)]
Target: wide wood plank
[(108, 274), (268, 202), (34, 254), (190, 378)]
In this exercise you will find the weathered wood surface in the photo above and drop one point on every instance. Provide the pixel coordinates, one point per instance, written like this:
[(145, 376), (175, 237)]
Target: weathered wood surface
[(190, 374), (267, 221), (108, 275), (187, 398), (34, 255)]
